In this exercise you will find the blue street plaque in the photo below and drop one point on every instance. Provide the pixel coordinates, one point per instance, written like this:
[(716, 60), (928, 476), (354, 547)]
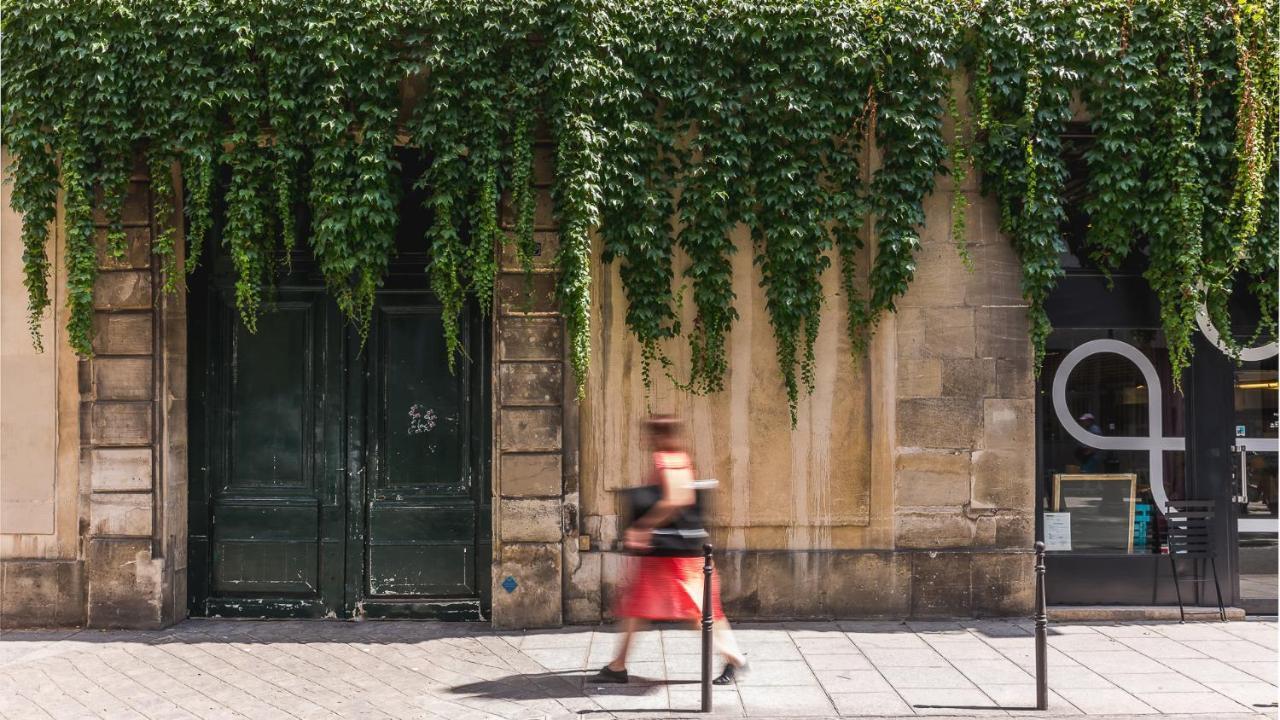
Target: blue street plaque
[(509, 584)]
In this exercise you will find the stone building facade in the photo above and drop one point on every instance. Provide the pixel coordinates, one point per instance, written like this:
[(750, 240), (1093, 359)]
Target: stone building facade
[(906, 488), (94, 464)]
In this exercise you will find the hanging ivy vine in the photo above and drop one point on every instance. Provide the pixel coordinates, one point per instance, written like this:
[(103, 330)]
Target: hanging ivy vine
[(675, 123), (1184, 151)]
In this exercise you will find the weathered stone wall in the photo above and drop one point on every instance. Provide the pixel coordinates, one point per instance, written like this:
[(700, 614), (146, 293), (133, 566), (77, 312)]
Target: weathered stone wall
[(906, 487), (41, 574), (531, 384), (822, 493), (133, 436), (965, 421), (121, 451)]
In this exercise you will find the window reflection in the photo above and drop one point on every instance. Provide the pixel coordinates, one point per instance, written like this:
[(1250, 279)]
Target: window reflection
[(1256, 421), (1100, 500), (1256, 417)]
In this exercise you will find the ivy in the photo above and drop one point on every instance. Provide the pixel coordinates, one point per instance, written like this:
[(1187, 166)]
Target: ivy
[(81, 254), (1251, 218), (1175, 171), (676, 124), (1025, 75)]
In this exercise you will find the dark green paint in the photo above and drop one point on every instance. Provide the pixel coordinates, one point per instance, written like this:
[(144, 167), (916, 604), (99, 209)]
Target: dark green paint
[(331, 477), (420, 500)]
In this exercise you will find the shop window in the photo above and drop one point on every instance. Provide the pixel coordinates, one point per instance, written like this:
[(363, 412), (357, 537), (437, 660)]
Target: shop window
[(1125, 432)]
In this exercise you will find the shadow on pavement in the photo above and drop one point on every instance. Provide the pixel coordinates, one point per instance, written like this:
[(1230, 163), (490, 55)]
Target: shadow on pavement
[(562, 684)]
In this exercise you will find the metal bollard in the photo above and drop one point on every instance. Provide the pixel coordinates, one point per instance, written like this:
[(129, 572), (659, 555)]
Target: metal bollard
[(706, 628), (1042, 632)]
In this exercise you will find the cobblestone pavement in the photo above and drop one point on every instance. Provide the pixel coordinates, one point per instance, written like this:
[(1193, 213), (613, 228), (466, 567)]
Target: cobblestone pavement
[(329, 669)]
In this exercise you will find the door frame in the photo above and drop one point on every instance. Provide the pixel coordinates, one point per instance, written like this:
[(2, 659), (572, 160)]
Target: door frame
[(405, 276)]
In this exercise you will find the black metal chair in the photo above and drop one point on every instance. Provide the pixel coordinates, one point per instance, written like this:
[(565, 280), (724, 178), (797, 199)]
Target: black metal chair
[(1190, 535)]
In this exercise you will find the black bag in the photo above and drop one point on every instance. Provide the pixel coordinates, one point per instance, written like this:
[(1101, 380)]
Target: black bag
[(682, 536)]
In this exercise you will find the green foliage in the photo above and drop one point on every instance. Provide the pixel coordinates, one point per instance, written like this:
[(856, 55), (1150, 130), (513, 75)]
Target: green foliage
[(1023, 80), (961, 164), (81, 255), (719, 115), (676, 123), (1182, 100)]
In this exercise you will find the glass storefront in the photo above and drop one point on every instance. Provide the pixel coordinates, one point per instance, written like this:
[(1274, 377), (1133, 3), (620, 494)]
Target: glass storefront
[(1099, 455), (1256, 452), (1117, 442), (1115, 439)]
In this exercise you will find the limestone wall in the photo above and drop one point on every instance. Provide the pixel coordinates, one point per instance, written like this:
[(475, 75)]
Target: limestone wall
[(41, 578), (780, 488), (905, 489), (964, 448), (534, 420), (93, 491)]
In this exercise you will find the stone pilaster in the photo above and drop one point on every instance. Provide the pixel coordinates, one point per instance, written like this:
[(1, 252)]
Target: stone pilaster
[(964, 460), (133, 435), (532, 384)]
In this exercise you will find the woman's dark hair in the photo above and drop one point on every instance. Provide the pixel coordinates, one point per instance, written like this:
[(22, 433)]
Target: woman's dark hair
[(666, 430)]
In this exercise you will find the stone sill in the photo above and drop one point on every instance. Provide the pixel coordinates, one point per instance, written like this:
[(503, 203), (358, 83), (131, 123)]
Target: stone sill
[(1137, 613)]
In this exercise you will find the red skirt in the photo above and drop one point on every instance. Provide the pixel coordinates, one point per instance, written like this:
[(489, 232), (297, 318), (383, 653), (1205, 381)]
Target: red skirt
[(667, 588)]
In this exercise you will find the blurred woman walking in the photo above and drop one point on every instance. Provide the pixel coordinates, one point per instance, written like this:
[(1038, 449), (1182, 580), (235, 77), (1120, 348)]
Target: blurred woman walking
[(667, 536)]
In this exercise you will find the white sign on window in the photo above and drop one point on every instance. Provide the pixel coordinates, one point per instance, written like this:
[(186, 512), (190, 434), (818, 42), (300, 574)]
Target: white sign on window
[(1057, 531)]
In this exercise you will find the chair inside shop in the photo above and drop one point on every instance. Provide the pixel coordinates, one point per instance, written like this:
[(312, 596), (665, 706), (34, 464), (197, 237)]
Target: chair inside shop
[(1190, 524)]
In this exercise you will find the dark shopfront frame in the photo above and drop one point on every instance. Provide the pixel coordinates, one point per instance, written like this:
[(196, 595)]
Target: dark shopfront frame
[(1083, 301)]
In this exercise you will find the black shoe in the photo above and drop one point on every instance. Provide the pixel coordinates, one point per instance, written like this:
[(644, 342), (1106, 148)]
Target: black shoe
[(609, 675), (730, 674)]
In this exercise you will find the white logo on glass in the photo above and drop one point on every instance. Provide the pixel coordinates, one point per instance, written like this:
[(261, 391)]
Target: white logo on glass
[(1154, 443)]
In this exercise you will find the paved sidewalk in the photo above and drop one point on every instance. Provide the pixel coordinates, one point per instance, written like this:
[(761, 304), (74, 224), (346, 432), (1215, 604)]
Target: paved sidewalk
[(292, 670)]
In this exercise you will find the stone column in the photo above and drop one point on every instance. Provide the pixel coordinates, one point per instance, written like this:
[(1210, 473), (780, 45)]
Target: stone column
[(529, 411), (133, 435), (964, 455)]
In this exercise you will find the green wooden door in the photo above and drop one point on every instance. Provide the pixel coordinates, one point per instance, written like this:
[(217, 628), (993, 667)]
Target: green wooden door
[(268, 520), (331, 477), (426, 526)]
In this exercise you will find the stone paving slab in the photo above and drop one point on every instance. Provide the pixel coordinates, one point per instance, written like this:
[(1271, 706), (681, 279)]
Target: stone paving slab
[(402, 670)]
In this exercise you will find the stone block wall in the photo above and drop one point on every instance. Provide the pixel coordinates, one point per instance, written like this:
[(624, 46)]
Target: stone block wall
[(127, 407), (907, 487), (964, 480), (133, 435), (532, 383)]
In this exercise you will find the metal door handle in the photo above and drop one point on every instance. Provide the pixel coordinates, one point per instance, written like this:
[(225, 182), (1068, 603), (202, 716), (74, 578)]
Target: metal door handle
[(1243, 497)]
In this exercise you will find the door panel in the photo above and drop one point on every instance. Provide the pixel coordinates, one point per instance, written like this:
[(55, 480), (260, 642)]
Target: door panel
[(275, 528), (420, 418), (266, 548), (272, 374), (421, 497)]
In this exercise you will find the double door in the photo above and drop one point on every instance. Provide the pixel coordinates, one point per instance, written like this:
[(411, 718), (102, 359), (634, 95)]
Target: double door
[(333, 476)]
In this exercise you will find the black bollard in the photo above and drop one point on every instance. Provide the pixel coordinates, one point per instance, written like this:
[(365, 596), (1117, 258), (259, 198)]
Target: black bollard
[(706, 628), (1042, 633)]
